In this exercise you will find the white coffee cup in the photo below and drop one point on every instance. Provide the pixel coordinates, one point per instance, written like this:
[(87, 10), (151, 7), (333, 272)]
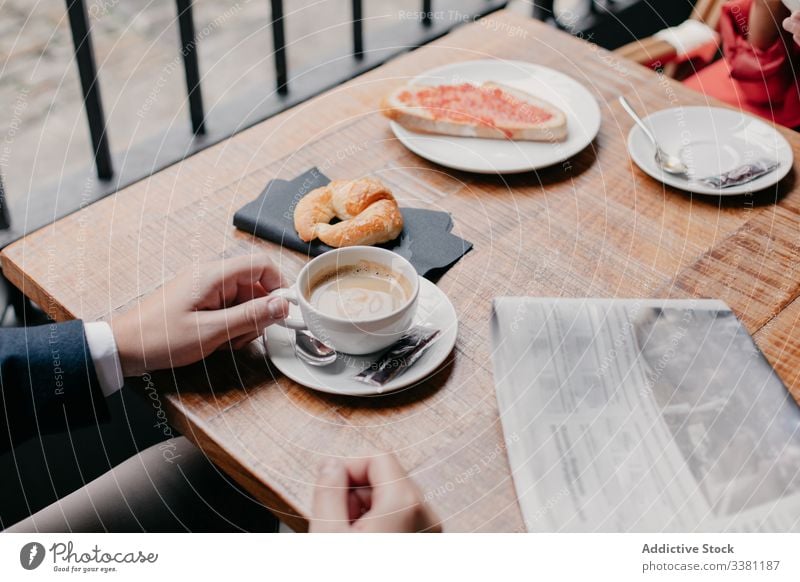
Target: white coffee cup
[(347, 335)]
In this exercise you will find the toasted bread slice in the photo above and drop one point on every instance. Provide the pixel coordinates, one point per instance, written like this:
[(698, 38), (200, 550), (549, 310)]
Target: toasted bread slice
[(490, 110)]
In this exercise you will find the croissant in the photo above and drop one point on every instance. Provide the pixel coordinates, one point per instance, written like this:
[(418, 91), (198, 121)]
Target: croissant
[(368, 212)]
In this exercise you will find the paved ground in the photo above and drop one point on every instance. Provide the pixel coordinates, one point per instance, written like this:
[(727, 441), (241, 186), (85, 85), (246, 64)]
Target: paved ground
[(43, 130)]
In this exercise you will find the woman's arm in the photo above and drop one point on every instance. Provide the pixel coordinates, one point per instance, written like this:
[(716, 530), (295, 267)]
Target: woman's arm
[(765, 21)]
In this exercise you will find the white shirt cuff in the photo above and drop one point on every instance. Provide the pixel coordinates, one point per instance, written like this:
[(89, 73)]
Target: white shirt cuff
[(103, 349), (688, 36)]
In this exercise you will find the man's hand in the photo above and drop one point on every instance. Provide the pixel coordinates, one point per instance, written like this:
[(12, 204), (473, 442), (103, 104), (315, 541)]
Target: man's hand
[(192, 316), (369, 496), (792, 25)]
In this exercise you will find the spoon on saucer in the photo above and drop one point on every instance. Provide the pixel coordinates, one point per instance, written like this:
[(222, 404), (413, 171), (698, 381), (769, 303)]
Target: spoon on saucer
[(312, 351), (669, 163)]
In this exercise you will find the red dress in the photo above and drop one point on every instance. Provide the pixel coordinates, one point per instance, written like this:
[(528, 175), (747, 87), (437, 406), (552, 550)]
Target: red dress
[(763, 82)]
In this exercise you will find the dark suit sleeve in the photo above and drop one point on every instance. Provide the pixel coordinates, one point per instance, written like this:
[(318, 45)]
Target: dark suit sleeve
[(47, 382)]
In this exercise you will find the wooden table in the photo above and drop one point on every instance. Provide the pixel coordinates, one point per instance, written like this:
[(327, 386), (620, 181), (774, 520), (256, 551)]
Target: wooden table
[(593, 226)]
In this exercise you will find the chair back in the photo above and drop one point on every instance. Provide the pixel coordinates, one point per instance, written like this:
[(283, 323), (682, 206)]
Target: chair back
[(708, 12)]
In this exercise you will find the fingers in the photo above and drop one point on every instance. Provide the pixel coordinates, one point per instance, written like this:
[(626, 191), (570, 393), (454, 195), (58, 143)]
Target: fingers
[(359, 501), (376, 475), (249, 319), (231, 280), (392, 490), (256, 268), (792, 25), (396, 503), (238, 343), (384, 472), (248, 292), (330, 506), (370, 495)]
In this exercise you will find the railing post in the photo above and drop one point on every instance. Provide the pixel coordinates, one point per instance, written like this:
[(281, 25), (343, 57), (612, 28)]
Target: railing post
[(427, 12), (543, 9), (87, 70), (279, 41), (358, 30), (5, 217), (189, 53)]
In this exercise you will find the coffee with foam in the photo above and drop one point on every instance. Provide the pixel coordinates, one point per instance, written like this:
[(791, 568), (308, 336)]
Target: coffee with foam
[(362, 291)]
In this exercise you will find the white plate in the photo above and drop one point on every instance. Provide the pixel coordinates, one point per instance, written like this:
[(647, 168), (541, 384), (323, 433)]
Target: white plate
[(434, 310), (710, 141), (497, 156)]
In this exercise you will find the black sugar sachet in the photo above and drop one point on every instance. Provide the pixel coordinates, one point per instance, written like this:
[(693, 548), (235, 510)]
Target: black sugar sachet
[(741, 175), (399, 357)]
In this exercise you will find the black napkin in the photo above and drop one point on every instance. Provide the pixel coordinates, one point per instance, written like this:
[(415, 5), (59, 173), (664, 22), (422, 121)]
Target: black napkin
[(426, 241)]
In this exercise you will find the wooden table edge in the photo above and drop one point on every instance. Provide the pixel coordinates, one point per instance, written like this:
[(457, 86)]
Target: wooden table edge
[(29, 287), (273, 500)]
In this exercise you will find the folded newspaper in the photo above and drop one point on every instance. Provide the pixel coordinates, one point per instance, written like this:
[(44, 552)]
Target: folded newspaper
[(643, 415)]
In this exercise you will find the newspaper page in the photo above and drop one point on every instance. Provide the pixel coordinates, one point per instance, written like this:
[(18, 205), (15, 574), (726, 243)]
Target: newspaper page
[(643, 415)]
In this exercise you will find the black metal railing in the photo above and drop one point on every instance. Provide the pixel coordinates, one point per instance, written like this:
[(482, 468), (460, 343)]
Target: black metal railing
[(5, 218), (543, 10), (609, 23), (358, 30), (206, 131), (190, 65), (279, 42), (87, 69), (84, 52)]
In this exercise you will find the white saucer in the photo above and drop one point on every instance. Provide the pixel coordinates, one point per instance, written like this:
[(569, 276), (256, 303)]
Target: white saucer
[(434, 310), (710, 141), (497, 156)]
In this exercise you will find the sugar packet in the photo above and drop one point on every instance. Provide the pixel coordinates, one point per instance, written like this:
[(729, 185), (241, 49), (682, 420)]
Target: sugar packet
[(400, 356)]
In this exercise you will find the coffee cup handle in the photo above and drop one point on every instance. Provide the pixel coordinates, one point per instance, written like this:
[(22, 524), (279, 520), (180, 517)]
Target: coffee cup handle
[(290, 295)]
